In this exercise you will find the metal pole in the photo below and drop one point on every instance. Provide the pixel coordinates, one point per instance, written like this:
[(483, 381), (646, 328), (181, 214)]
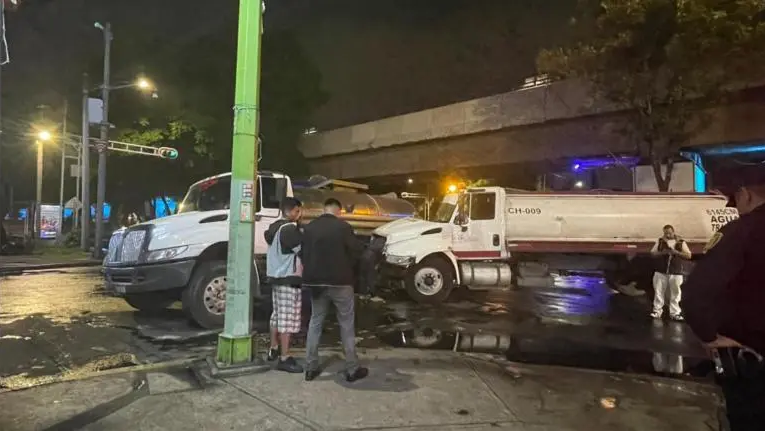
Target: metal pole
[(38, 200), (2, 185), (75, 215), (63, 141), (85, 168), (235, 343), (101, 190)]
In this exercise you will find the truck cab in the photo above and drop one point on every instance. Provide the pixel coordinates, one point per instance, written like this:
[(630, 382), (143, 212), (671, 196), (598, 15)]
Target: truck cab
[(183, 257)]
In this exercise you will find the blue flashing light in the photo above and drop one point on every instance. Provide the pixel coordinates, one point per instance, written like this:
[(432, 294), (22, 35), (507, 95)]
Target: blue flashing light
[(107, 211), (68, 212), (739, 149), (162, 210), (699, 174), (601, 162)]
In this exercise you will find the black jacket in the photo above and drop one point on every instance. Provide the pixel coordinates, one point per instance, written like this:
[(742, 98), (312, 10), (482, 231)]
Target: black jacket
[(670, 264), (330, 252), (725, 293)]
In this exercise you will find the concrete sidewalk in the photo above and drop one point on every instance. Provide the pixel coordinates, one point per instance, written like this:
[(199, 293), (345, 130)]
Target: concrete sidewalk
[(407, 390)]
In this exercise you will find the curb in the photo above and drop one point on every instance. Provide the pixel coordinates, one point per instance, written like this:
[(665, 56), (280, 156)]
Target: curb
[(157, 366), (514, 369), (21, 269)]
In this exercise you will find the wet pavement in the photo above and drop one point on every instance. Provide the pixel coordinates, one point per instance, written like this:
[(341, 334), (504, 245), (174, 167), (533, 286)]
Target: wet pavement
[(55, 322)]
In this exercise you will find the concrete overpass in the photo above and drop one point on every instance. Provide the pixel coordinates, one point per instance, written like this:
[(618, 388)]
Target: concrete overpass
[(551, 121)]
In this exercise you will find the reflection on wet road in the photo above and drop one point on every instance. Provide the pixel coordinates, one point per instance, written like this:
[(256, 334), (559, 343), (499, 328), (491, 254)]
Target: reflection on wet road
[(54, 322), (579, 322)]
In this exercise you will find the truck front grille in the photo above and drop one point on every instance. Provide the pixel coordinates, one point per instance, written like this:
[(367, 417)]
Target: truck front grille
[(115, 242), (125, 246), (132, 246)]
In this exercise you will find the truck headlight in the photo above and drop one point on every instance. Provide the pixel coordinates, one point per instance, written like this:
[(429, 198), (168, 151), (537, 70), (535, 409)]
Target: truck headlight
[(165, 253), (399, 260)]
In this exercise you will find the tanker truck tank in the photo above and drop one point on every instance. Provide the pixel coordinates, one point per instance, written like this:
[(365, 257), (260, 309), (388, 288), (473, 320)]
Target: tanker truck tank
[(363, 211)]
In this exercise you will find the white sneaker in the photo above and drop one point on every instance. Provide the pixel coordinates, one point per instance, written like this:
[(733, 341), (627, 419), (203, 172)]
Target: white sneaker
[(656, 314)]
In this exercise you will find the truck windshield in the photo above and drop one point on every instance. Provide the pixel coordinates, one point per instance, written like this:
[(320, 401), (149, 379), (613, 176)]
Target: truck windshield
[(446, 209), (210, 195), (215, 194)]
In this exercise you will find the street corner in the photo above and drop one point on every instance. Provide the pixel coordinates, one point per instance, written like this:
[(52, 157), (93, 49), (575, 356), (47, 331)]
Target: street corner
[(66, 405), (408, 388)]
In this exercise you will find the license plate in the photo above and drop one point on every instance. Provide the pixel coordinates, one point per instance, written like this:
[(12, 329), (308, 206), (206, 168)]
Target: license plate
[(118, 288)]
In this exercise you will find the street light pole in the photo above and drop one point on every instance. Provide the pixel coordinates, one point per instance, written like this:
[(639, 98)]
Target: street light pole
[(85, 168), (63, 168), (101, 190), (2, 185), (38, 200), (235, 342)]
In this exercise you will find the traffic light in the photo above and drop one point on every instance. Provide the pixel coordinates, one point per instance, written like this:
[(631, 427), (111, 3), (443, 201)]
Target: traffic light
[(168, 153)]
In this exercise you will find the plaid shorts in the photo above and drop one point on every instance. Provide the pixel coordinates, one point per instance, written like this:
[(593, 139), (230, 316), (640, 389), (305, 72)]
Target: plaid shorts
[(287, 307)]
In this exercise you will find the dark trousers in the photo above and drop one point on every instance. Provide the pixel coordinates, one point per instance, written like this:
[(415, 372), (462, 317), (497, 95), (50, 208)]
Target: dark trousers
[(745, 402), (344, 300)]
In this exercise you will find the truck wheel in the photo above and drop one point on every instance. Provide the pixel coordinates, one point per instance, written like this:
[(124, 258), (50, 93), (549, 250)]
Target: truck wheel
[(430, 281), (204, 299), (151, 302)]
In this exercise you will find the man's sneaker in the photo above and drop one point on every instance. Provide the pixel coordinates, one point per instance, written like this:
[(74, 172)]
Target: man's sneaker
[(274, 353), (656, 314), (359, 374), (677, 318), (289, 365), (311, 375)]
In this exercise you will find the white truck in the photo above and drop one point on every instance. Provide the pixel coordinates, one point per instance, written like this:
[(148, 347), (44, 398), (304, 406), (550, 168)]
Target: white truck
[(153, 264), (486, 238)]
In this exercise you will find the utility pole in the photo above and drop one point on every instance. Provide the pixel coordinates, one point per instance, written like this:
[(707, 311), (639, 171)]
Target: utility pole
[(101, 146), (38, 200), (85, 167), (63, 141), (77, 185), (235, 342), (2, 184)]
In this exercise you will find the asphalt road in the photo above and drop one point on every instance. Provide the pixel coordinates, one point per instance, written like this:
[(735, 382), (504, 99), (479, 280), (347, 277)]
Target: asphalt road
[(63, 322), (55, 322)]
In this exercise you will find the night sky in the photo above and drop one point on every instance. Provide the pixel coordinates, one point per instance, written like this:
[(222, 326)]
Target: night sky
[(378, 57)]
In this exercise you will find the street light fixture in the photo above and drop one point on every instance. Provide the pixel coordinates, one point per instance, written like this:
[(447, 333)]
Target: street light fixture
[(44, 135), (144, 84)]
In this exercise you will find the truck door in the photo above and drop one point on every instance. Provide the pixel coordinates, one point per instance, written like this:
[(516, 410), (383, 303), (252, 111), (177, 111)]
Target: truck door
[(479, 232), (270, 191)]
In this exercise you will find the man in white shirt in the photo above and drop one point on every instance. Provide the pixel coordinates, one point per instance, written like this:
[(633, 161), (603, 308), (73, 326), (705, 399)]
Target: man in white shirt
[(670, 253)]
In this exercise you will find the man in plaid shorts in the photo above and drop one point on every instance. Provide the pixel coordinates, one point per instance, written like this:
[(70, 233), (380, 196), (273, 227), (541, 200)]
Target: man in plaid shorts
[(284, 270)]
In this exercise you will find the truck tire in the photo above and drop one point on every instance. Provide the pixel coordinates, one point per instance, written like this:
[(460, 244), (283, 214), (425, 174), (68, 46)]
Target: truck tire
[(204, 299), (151, 302), (430, 281)]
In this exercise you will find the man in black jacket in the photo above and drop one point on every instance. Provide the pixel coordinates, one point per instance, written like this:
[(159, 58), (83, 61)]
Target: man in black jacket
[(329, 254)]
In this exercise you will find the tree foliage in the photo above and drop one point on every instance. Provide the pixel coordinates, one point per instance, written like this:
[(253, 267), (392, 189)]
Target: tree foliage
[(194, 115), (664, 61)]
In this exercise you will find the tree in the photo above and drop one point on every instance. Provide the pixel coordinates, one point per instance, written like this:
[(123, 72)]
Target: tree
[(194, 115), (665, 62)]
